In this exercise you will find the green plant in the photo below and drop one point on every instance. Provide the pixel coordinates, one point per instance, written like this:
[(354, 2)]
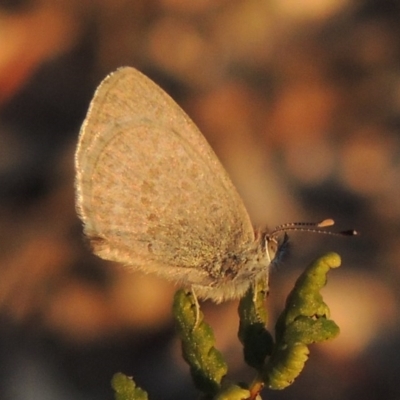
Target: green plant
[(277, 362)]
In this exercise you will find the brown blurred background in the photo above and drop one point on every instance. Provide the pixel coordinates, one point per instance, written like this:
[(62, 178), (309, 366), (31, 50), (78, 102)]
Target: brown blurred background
[(301, 102)]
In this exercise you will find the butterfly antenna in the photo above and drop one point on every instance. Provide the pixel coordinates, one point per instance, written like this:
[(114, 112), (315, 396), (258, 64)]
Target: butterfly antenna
[(314, 227)]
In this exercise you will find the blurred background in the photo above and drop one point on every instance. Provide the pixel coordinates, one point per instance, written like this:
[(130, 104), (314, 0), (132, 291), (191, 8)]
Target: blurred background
[(301, 102)]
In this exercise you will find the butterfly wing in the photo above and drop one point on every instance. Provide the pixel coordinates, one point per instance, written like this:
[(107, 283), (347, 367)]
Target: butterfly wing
[(150, 191)]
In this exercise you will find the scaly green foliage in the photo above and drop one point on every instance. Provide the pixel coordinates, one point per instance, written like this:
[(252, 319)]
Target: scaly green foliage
[(126, 389), (257, 341), (206, 363), (305, 320)]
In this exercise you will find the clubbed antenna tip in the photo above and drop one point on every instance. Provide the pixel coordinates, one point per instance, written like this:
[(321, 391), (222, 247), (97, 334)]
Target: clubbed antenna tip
[(325, 223)]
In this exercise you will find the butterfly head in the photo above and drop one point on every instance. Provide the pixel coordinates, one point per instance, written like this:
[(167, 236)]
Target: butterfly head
[(276, 242)]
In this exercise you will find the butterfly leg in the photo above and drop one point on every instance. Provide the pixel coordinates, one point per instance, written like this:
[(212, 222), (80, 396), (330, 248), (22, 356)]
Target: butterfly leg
[(197, 305)]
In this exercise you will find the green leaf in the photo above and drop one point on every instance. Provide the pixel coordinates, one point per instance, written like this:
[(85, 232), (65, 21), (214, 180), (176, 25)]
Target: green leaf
[(285, 365), (305, 320), (207, 365), (257, 341), (233, 392), (126, 389)]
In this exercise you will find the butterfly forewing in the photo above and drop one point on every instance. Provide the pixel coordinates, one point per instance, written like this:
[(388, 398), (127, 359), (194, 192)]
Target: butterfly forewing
[(150, 191)]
